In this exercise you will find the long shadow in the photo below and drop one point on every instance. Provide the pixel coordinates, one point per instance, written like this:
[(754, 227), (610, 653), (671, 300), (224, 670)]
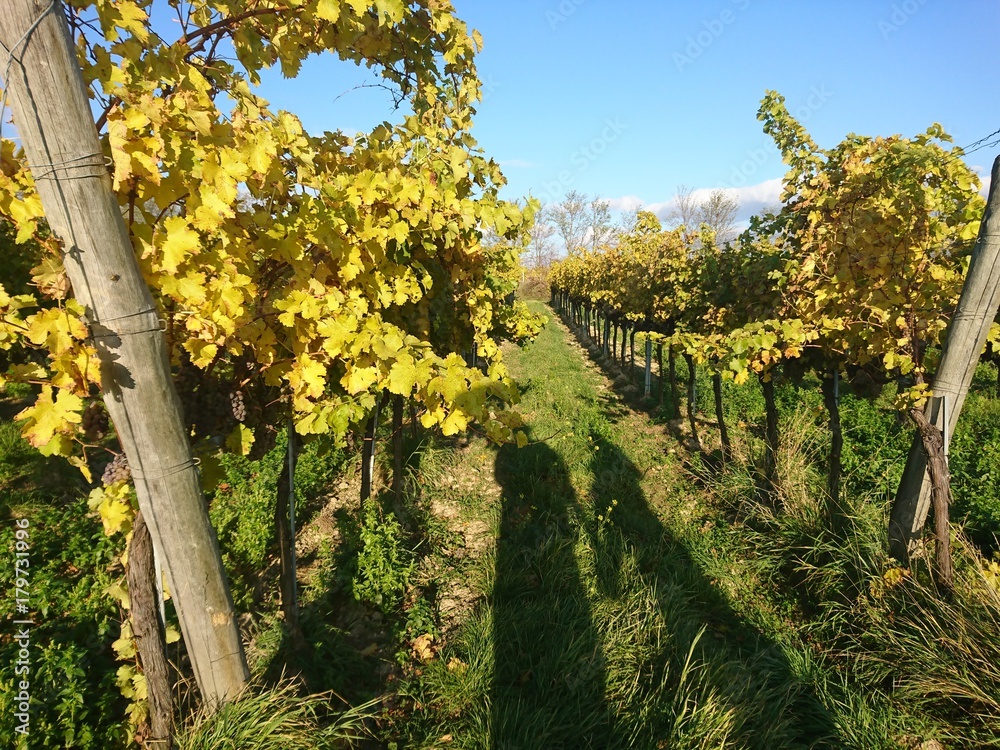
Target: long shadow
[(608, 634), (739, 669), (548, 681)]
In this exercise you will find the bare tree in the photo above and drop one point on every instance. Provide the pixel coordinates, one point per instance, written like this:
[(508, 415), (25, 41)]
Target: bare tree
[(718, 211), (686, 209), (600, 229), (626, 223), (570, 218), (541, 242)]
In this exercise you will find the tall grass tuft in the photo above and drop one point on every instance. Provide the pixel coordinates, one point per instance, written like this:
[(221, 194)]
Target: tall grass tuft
[(924, 662), (277, 718), (937, 652)]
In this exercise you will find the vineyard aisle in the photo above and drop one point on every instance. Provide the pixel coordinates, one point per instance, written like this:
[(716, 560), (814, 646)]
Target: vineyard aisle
[(618, 608)]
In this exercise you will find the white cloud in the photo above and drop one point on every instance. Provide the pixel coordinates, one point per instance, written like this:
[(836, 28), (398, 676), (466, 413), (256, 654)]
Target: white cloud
[(984, 176), (752, 199), (625, 203)]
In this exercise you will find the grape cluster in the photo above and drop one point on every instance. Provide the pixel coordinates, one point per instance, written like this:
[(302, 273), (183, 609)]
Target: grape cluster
[(208, 406), (238, 406), (94, 422), (116, 471), (216, 402)]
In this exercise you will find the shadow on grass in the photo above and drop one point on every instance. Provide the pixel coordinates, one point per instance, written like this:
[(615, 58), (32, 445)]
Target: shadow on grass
[(548, 681), (705, 678), (606, 633)]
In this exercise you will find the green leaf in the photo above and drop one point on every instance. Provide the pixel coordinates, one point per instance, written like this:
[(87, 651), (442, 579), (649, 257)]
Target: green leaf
[(403, 376), (240, 440)]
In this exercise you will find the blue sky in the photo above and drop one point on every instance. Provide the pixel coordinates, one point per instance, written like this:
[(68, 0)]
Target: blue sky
[(630, 99)]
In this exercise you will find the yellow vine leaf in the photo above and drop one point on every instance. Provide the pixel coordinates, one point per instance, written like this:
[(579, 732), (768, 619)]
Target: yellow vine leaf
[(240, 440), (181, 241), (48, 421)]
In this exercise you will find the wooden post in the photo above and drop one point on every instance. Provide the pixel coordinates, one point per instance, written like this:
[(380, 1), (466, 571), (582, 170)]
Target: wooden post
[(831, 397), (147, 629), (649, 368), (54, 120), (285, 525), (631, 350), (977, 307), (675, 401), (692, 396), (368, 452), (397, 455), (659, 373), (720, 417), (771, 439)]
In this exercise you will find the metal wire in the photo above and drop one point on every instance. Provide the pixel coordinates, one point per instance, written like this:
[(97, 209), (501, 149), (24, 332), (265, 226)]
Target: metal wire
[(101, 329), (10, 57), (194, 462), (37, 172)]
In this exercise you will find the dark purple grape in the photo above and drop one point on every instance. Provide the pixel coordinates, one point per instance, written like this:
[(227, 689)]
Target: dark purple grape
[(117, 470), (94, 422)]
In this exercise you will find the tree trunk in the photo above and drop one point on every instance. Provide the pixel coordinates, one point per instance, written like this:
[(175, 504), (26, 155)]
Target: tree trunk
[(624, 345), (692, 406), (659, 372), (413, 421), (148, 633), (631, 348), (284, 521), (831, 398), (932, 440), (770, 435), (607, 334), (977, 307), (675, 398), (614, 343), (57, 131), (397, 455), (368, 452), (647, 380), (720, 416)]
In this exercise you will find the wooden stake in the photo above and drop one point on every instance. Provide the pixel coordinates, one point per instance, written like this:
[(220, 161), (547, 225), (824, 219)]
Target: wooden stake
[(977, 307), (54, 120)]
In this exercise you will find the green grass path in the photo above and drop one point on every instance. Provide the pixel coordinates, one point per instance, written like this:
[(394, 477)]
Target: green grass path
[(607, 615)]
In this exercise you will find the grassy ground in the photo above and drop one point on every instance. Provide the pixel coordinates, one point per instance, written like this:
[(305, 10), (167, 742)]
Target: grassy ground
[(604, 615), (626, 596), (603, 587)]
